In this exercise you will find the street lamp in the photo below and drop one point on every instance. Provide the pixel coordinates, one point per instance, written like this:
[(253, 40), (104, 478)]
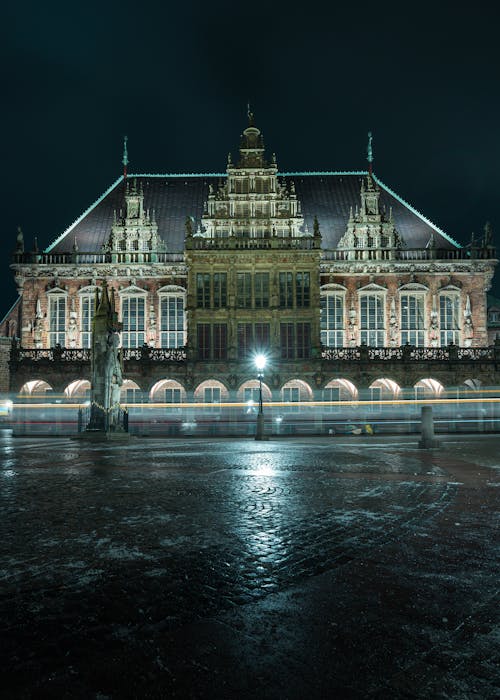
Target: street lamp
[(260, 362)]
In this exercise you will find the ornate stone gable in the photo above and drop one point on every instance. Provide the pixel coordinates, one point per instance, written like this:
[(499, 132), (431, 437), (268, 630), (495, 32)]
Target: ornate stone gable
[(134, 232), (369, 229), (253, 202)]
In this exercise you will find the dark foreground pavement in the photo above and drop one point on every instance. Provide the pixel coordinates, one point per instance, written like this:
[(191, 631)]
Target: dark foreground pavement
[(305, 568)]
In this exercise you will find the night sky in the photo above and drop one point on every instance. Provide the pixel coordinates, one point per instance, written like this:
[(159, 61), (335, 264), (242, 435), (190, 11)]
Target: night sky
[(176, 78)]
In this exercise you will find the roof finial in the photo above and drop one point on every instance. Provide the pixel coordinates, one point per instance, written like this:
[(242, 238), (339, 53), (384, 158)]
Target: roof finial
[(369, 152), (250, 115), (20, 240), (125, 157)]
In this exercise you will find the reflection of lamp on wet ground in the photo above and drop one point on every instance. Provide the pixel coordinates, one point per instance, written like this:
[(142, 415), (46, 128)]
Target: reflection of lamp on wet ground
[(260, 362)]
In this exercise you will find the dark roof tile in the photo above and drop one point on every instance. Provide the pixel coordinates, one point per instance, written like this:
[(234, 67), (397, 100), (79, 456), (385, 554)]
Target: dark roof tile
[(329, 196)]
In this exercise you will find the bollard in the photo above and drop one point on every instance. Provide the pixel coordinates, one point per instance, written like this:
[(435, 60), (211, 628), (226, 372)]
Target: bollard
[(427, 439)]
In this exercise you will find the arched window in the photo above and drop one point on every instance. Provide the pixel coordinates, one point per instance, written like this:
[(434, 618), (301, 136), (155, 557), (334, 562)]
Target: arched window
[(449, 315), (412, 316), (133, 314), (57, 317), (87, 306), (372, 316), (172, 317), (332, 317)]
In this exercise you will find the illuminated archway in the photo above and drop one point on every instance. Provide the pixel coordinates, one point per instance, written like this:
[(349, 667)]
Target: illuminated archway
[(211, 391), (428, 388), (474, 384), (37, 387), (340, 390), (385, 389), (167, 391), (130, 392), (296, 390), (249, 391), (79, 389)]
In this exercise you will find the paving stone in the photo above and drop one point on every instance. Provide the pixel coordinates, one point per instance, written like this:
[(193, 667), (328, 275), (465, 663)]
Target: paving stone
[(300, 568)]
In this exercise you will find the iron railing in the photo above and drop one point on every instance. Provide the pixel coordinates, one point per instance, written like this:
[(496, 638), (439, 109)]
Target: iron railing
[(410, 353), (355, 354)]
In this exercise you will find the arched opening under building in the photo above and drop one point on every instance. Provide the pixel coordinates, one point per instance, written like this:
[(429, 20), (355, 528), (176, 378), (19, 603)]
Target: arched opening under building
[(294, 392), (167, 391), (79, 390), (473, 384), (428, 388), (130, 392), (384, 389), (211, 391), (36, 387), (249, 392), (340, 390)]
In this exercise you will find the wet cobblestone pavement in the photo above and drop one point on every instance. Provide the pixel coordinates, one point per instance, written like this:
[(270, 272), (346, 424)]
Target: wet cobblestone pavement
[(304, 568)]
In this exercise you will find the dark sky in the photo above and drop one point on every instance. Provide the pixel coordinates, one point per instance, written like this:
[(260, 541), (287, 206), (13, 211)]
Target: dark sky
[(176, 78)]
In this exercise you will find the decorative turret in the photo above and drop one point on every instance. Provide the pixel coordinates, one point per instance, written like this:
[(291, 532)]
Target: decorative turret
[(370, 204), (134, 233), (368, 228), (252, 146)]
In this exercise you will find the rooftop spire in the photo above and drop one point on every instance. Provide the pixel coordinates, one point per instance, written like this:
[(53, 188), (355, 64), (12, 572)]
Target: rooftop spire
[(369, 152), (250, 115), (125, 156)]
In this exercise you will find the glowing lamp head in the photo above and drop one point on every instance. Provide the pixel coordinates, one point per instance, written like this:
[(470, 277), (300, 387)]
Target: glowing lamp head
[(260, 362)]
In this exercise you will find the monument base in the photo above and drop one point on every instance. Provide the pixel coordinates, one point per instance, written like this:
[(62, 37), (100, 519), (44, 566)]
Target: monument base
[(100, 435), (428, 443)]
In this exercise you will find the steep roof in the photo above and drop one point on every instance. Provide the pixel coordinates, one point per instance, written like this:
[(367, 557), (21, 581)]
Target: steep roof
[(329, 196)]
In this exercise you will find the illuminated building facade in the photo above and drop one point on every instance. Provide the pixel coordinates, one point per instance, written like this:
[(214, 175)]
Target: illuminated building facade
[(344, 286)]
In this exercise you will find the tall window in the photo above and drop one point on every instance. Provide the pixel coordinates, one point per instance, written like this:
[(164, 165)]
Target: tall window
[(133, 320), (203, 290), (372, 319), (287, 341), (412, 319), (449, 314), (57, 320), (87, 304), (220, 290), (261, 290), (245, 339), (332, 320), (262, 337), (203, 336), (243, 290), (172, 322), (303, 336), (286, 290), (220, 341), (303, 289)]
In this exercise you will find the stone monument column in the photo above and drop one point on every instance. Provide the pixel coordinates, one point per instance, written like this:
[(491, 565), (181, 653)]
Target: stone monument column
[(106, 371)]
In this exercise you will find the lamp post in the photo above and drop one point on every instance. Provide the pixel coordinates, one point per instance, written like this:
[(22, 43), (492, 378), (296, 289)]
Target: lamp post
[(260, 363)]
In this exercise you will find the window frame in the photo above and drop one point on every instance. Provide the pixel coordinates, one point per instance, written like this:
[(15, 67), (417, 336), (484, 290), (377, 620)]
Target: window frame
[(138, 334), (177, 334)]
